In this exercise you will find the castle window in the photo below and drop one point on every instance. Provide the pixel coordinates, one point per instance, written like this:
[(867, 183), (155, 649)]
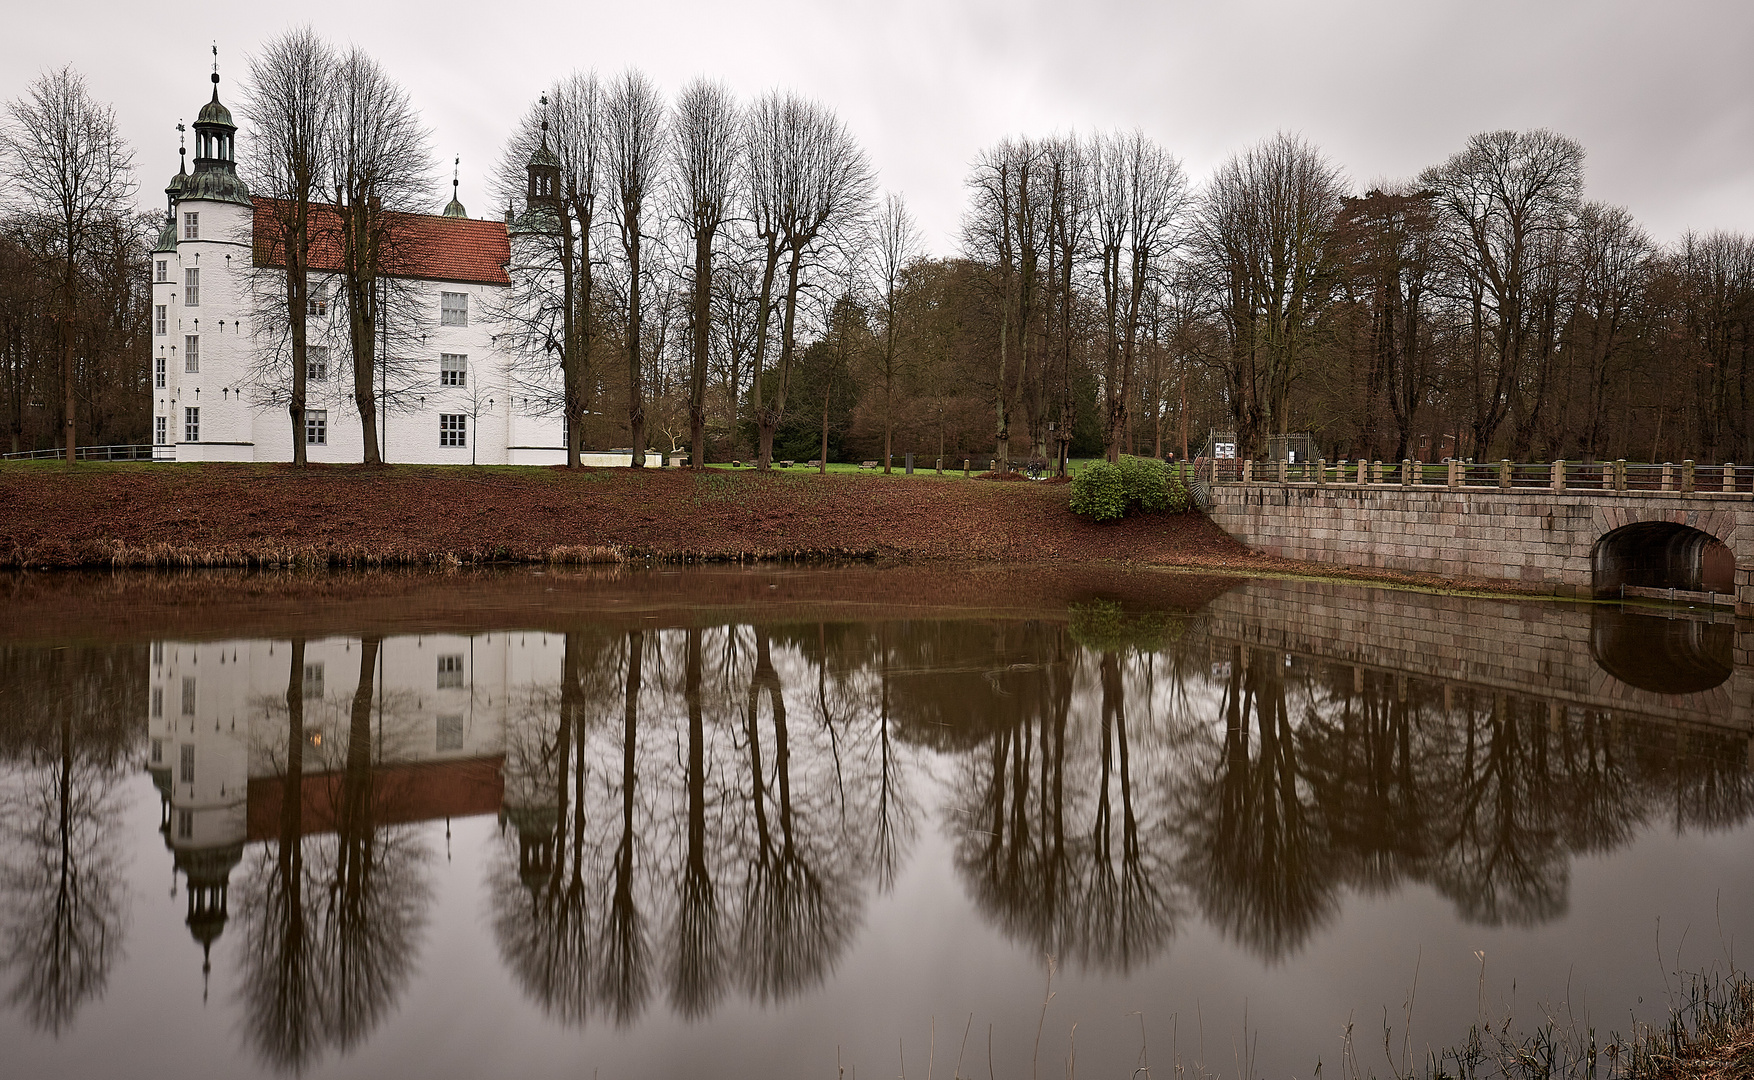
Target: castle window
[(317, 363), (158, 372), (313, 688), (158, 751), (452, 367), (450, 733), (186, 818), (317, 427), (162, 271), (192, 287), (453, 309), (161, 426), (319, 302), (157, 707), (191, 428), (188, 695), (192, 353), (191, 226), (158, 652), (160, 321), (450, 671), (452, 429)]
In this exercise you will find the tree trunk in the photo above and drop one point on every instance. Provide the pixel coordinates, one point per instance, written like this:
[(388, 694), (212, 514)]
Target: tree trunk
[(703, 299), (636, 394), (67, 361), (298, 310), (822, 466)]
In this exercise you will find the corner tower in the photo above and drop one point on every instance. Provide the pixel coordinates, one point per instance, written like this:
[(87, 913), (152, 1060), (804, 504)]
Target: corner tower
[(201, 275)]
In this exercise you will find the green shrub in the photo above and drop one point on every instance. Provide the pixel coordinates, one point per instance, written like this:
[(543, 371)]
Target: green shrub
[(1146, 481), (1103, 492), (1099, 492)]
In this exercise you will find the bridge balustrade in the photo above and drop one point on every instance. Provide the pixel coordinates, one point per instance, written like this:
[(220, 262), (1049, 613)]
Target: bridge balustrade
[(1672, 478)]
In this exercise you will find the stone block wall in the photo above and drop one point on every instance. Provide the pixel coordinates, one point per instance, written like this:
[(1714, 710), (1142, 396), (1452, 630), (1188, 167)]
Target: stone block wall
[(1527, 536), (1532, 648)]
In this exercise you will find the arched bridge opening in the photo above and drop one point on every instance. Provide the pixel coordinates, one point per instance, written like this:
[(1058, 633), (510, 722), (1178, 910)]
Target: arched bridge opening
[(1661, 555)]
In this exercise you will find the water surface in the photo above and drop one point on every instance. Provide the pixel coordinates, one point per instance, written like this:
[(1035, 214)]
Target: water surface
[(776, 823)]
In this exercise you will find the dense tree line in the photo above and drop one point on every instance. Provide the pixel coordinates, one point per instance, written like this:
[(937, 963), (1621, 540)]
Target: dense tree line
[(726, 277)]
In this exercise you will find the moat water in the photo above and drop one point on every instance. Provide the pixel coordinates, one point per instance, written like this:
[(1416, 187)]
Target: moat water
[(785, 823)]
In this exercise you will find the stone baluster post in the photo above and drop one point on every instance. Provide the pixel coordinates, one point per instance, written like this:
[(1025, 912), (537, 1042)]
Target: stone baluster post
[(1559, 477), (1452, 477), (1668, 476), (1321, 472), (1504, 473), (1620, 474), (1363, 472), (1406, 472), (1248, 470), (1729, 477), (1687, 477), (1284, 471)]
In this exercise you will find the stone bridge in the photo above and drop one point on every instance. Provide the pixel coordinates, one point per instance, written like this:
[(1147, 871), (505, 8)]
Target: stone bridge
[(1680, 667), (1696, 546)]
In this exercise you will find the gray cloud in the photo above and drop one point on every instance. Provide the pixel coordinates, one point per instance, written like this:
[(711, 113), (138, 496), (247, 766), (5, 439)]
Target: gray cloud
[(1661, 95)]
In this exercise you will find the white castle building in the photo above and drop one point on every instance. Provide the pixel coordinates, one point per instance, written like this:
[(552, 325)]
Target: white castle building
[(455, 399)]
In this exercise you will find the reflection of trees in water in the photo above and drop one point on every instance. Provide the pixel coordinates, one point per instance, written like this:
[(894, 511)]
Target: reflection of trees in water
[(1257, 854), (1064, 837), (695, 807), (65, 743), (1273, 785), (331, 921)]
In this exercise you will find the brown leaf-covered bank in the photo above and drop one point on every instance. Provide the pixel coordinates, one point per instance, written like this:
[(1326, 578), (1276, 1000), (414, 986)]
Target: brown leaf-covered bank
[(53, 516), (247, 515)]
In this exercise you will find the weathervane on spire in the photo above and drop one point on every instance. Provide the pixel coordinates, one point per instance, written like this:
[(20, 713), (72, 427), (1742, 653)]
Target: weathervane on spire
[(455, 167)]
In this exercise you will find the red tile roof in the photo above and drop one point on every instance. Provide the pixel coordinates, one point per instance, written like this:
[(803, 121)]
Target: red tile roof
[(430, 248)]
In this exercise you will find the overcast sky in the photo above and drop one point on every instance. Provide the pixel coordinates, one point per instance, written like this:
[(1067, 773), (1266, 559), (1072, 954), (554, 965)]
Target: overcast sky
[(1660, 94)]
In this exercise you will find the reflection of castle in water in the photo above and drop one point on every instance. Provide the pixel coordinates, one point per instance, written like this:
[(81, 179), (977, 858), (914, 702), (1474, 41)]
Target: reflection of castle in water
[(220, 744)]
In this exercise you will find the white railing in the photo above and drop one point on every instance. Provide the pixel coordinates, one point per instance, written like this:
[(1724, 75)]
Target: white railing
[(118, 452)]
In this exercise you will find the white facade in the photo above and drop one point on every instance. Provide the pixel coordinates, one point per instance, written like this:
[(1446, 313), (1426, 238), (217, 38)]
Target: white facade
[(213, 402)]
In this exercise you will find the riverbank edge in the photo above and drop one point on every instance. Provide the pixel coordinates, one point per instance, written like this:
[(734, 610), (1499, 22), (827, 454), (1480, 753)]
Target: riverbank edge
[(121, 518)]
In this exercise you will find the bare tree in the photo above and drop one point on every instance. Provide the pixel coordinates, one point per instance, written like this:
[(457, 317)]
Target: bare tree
[(288, 97), (898, 245), (1001, 229), (809, 188), (71, 176), (379, 162), (633, 115), (1140, 195), (705, 149), (1263, 242), (1505, 202), (553, 310)]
